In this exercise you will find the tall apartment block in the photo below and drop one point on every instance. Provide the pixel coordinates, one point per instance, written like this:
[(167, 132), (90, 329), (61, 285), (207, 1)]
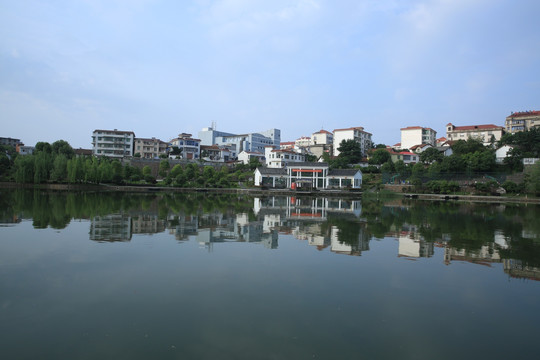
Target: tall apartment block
[(417, 135), (354, 133)]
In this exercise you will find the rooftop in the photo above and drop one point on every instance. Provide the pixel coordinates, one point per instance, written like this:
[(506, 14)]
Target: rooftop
[(476, 127), (525, 113)]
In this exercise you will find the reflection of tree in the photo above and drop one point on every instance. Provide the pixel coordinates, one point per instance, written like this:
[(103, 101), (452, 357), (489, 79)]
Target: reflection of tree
[(526, 250)]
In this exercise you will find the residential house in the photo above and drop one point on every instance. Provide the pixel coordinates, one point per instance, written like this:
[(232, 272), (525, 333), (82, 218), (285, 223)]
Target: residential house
[(418, 149), (190, 148), (277, 158), (150, 148), (113, 143), (246, 156), (406, 156), (488, 134), (502, 153), (217, 153), (322, 137), (24, 150)]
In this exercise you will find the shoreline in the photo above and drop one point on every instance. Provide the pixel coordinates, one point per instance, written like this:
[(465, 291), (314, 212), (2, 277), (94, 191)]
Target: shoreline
[(266, 192)]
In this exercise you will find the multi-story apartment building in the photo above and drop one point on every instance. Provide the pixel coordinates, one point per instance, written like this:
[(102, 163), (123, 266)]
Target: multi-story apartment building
[(244, 142), (322, 137), (112, 143), (302, 142), (417, 135), (150, 148), (521, 121), (190, 148), (277, 158), (486, 133), (354, 133), (7, 141)]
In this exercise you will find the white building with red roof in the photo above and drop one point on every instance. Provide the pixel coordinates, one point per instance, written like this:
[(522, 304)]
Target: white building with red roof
[(486, 133), (322, 137), (278, 158)]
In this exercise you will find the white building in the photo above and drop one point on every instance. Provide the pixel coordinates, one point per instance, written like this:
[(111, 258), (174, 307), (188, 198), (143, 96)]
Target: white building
[(243, 142), (150, 148), (322, 137), (302, 142), (277, 158), (112, 143), (246, 156), (502, 153), (417, 135), (355, 133), (485, 133), (308, 175), (190, 148)]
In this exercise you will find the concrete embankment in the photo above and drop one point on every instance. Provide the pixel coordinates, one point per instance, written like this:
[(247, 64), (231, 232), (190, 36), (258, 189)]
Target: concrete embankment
[(154, 189), (472, 198)]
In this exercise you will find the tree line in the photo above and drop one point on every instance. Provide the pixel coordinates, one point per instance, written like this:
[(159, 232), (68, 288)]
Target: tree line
[(57, 163)]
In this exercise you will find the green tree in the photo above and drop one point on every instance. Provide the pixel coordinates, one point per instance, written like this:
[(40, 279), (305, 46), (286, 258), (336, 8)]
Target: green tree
[(431, 155), (42, 147), (533, 179), (380, 156), (471, 145), (164, 167), (59, 170), (42, 167), (350, 151), (24, 169), (62, 147)]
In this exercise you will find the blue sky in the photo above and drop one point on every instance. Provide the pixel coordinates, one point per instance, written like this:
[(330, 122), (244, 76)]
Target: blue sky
[(160, 68)]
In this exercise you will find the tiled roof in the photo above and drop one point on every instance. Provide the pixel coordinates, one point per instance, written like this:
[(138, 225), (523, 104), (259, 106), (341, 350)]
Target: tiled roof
[(272, 171), (116, 131), (307, 164), (343, 172), (477, 127), (525, 113)]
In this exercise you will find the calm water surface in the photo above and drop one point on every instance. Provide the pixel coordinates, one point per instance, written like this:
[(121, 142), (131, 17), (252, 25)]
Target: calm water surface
[(130, 276)]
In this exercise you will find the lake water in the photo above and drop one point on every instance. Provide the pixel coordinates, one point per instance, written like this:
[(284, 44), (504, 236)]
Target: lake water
[(191, 276)]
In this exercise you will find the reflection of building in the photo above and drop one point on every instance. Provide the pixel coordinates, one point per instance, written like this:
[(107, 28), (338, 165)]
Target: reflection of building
[(183, 226), (412, 244), (409, 247), (147, 224), (347, 245), (113, 227), (516, 269), (486, 255)]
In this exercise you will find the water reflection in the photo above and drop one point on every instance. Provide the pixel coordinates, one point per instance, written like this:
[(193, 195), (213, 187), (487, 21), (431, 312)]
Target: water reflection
[(480, 234)]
